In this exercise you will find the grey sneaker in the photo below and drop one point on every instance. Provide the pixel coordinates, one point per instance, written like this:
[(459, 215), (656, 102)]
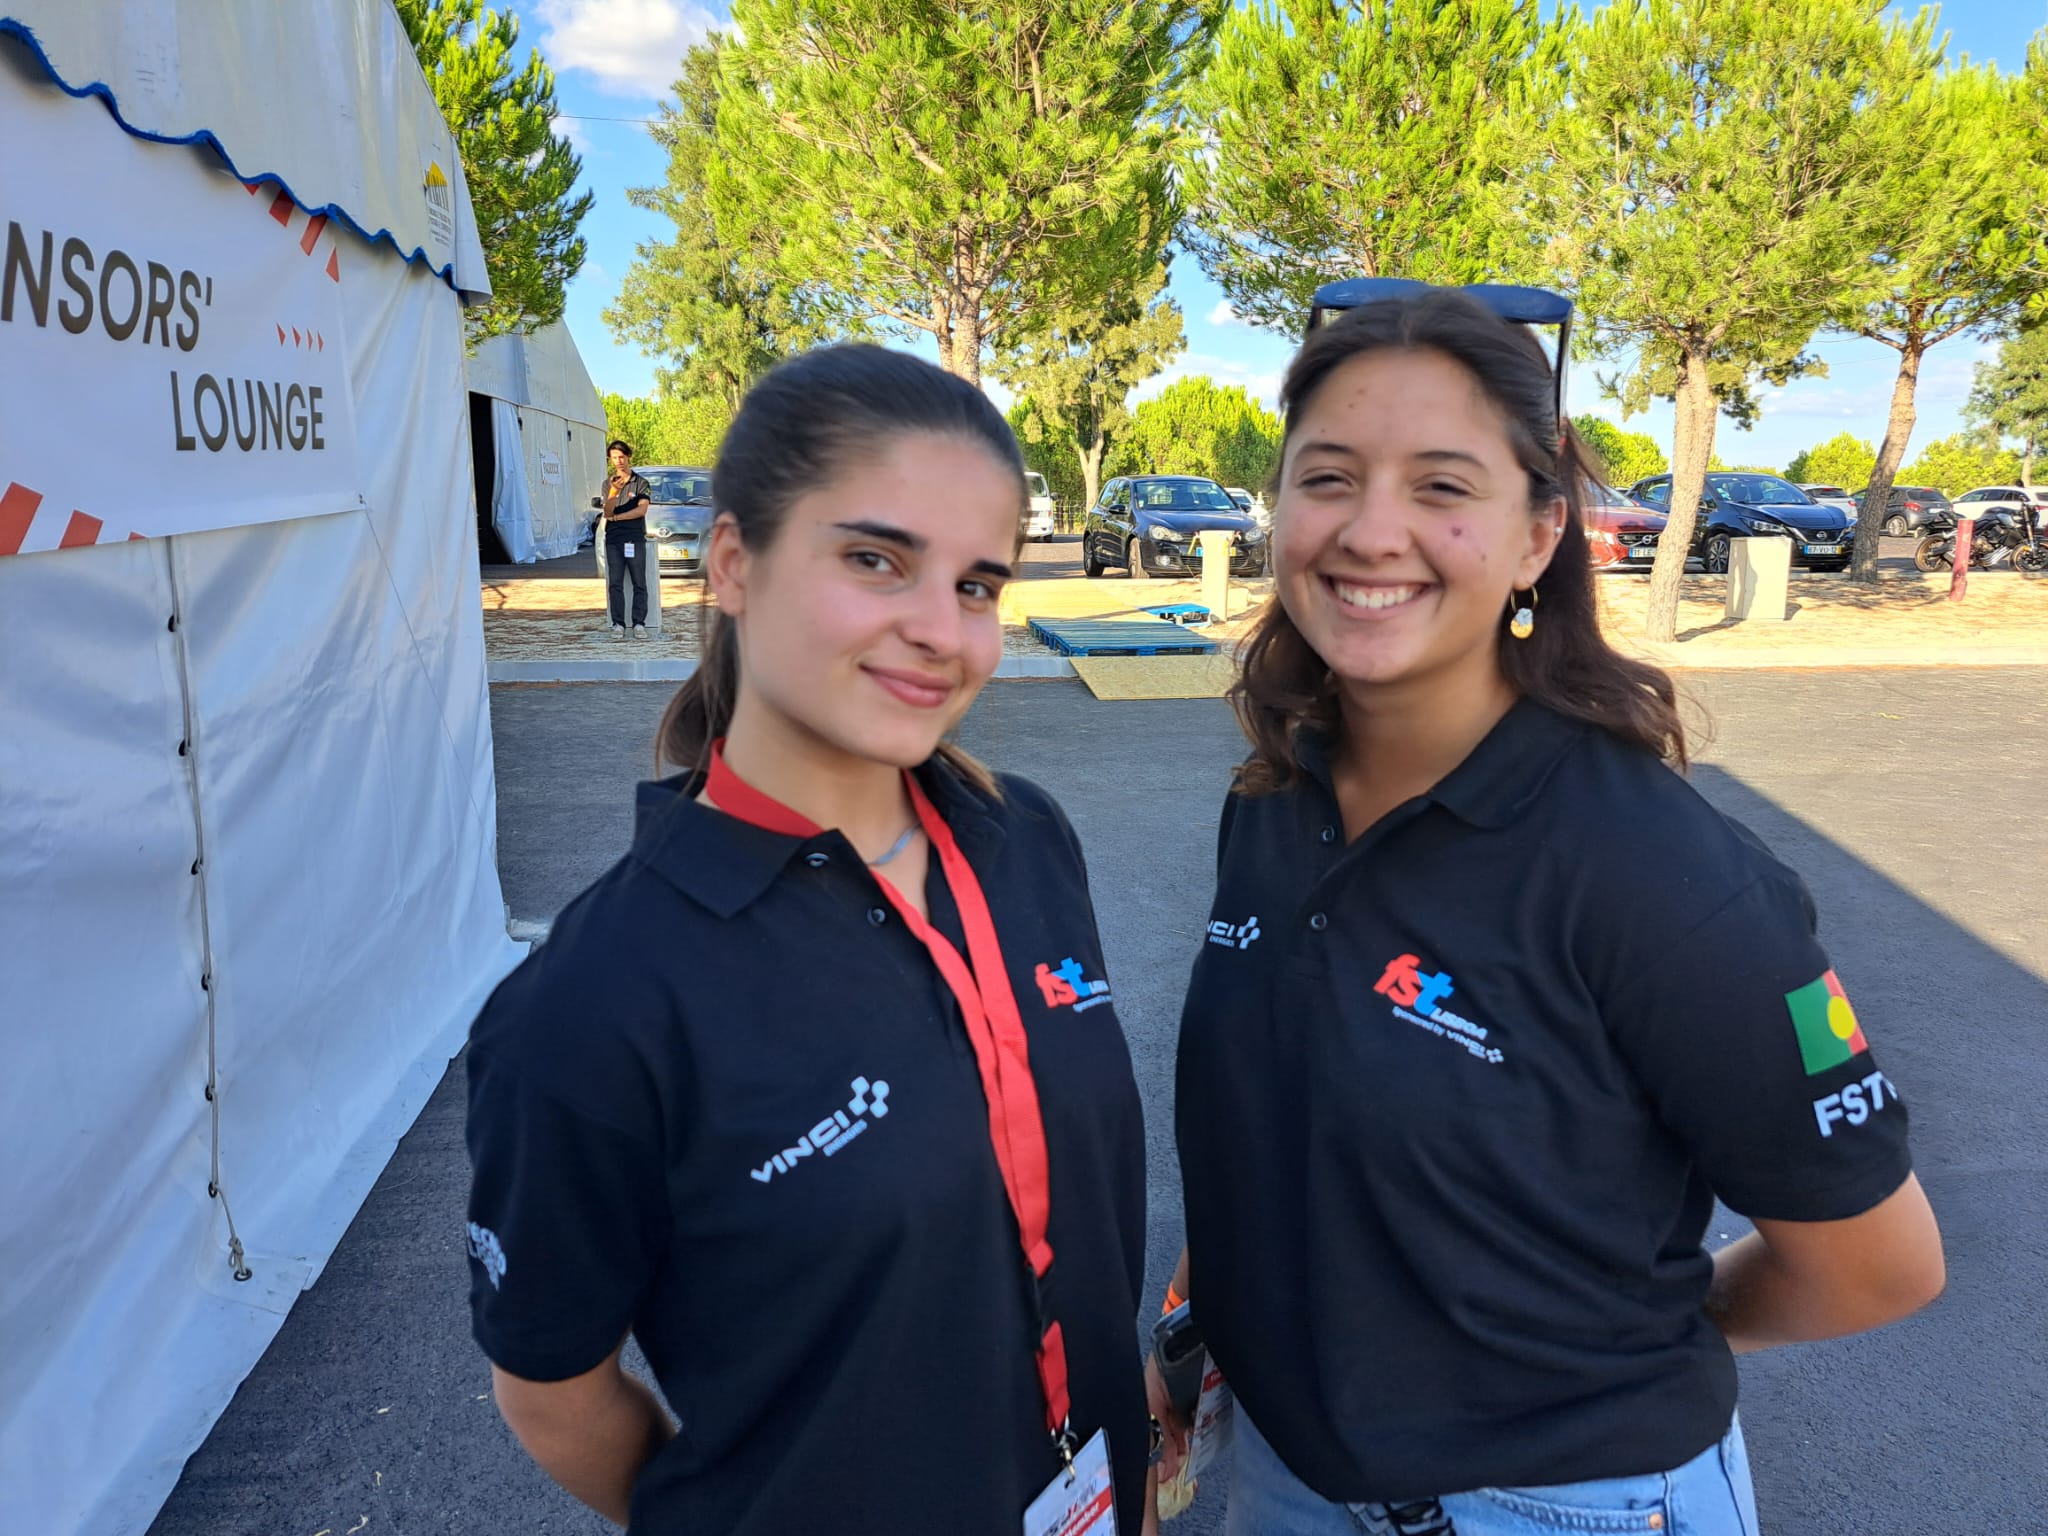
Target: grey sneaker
[(639, 631), (618, 631)]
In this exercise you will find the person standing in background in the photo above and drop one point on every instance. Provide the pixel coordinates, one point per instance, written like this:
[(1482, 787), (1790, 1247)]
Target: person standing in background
[(625, 540)]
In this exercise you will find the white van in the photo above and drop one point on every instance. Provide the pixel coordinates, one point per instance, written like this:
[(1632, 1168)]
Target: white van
[(1038, 516)]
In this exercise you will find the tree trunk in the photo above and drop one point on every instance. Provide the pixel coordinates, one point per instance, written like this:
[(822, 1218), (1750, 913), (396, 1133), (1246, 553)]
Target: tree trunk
[(1877, 497), (1692, 449), (966, 361), (1090, 453)]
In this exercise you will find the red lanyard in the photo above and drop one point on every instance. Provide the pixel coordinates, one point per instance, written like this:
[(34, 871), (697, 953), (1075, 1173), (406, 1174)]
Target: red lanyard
[(988, 1006)]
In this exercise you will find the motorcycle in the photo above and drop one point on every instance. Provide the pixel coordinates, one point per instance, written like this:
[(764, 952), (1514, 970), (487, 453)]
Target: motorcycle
[(2000, 539)]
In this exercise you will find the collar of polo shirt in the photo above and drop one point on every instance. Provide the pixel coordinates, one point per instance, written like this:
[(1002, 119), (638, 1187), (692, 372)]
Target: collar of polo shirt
[(725, 864), (1501, 777)]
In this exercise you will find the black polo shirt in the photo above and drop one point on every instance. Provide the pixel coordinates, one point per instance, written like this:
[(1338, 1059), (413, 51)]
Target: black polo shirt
[(731, 1106), (1455, 1101)]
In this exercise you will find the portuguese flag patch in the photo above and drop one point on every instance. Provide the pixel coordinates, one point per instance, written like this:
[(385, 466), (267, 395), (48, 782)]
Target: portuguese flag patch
[(1829, 1033)]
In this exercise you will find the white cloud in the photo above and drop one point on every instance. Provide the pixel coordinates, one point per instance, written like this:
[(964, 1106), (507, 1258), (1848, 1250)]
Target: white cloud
[(1223, 314), (573, 130), (631, 47)]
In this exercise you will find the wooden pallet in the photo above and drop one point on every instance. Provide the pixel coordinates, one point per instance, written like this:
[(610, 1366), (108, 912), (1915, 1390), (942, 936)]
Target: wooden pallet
[(1118, 637)]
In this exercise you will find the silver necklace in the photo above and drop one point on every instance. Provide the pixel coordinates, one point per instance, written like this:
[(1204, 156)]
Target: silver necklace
[(895, 848)]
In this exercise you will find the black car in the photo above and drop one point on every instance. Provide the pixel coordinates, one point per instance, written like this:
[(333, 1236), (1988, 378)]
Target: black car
[(1148, 525), (678, 515), (1910, 508), (1740, 505)]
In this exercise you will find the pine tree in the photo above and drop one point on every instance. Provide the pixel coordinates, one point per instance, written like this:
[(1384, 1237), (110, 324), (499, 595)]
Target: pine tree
[(710, 303), (1077, 370), (1358, 138), (957, 168), (2009, 395), (520, 173)]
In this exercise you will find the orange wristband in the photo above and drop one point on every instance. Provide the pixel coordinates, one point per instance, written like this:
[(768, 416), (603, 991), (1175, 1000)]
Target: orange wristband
[(1174, 1299)]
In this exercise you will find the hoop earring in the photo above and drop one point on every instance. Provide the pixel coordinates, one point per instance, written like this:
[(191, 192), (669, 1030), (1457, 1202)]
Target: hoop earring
[(1523, 624)]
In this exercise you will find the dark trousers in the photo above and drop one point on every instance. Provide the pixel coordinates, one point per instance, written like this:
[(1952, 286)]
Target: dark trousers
[(617, 565)]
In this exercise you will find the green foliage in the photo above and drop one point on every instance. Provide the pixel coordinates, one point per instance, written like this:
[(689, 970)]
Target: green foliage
[(951, 167), (673, 430), (1961, 463), (1628, 456), (1843, 460), (710, 303), (1062, 470), (1074, 373), (520, 173), (1357, 138), (1952, 238), (2009, 395), (1707, 192), (1199, 427)]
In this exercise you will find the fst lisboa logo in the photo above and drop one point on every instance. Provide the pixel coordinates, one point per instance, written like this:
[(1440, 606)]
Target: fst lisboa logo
[(1065, 986), (1417, 997)]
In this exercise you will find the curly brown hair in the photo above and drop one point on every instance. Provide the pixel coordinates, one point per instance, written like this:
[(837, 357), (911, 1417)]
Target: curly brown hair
[(1283, 687)]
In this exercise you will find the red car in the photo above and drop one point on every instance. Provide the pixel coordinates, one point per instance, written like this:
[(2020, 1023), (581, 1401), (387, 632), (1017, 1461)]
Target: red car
[(1620, 533)]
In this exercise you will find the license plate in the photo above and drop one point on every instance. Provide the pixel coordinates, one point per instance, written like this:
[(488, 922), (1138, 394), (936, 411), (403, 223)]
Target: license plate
[(1642, 551), (1823, 549)]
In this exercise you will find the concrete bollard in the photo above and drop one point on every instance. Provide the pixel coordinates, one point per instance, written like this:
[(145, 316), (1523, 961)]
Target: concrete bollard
[(1216, 572), (1759, 577)]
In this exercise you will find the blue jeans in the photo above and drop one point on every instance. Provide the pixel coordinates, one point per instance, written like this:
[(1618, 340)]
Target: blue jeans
[(1708, 1496)]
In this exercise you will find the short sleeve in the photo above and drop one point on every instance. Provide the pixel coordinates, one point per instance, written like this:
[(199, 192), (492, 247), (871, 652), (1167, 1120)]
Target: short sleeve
[(567, 1226), (1748, 1046)]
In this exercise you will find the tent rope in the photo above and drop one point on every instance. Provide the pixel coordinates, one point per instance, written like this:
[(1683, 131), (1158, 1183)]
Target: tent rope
[(238, 1263)]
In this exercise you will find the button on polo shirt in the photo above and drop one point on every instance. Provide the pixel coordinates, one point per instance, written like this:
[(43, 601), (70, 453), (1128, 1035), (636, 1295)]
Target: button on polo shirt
[(1452, 1118), (731, 1106)]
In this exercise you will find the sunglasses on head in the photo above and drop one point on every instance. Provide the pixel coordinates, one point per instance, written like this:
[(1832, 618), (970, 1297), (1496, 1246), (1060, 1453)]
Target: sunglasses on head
[(1524, 306)]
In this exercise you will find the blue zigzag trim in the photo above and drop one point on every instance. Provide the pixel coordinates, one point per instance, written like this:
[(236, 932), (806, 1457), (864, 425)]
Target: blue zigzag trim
[(21, 32)]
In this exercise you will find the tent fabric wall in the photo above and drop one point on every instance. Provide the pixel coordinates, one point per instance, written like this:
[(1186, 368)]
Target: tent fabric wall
[(360, 131), (511, 507), (561, 424), (307, 700)]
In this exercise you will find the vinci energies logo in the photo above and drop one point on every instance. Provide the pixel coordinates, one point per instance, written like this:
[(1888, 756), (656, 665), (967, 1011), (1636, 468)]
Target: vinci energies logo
[(833, 1134), (1418, 997), (1065, 986)]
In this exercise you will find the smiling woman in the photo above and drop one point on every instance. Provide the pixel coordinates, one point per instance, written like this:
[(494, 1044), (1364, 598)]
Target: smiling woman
[(843, 1051)]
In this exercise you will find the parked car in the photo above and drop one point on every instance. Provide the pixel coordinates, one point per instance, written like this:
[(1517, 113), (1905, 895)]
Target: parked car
[(1038, 518), (1737, 505), (1620, 534), (1833, 496), (1148, 524), (678, 516), (2016, 499), (1910, 508)]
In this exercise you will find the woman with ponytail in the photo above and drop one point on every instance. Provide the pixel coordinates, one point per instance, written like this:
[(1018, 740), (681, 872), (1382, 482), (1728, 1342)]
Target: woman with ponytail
[(1516, 1006), (819, 1093)]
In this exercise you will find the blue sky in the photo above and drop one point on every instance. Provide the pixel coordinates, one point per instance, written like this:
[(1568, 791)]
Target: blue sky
[(614, 60)]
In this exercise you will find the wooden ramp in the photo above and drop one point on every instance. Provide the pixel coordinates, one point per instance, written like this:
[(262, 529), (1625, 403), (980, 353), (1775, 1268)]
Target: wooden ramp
[(1157, 677), (1119, 637)]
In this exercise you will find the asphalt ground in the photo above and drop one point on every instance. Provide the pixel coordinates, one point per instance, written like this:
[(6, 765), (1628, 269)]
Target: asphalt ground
[(1915, 804)]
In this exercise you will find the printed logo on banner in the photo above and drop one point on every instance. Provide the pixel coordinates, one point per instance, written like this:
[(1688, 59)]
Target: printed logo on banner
[(1417, 997), (440, 204), (195, 321)]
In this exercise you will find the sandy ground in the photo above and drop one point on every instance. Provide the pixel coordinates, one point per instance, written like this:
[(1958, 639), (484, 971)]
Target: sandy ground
[(1905, 620)]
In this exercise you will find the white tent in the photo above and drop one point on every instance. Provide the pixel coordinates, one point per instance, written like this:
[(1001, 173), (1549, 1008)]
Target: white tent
[(546, 440), (248, 897)]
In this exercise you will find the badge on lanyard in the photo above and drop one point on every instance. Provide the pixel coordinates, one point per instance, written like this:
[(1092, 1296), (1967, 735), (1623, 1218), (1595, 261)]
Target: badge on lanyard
[(629, 551), (1079, 1501)]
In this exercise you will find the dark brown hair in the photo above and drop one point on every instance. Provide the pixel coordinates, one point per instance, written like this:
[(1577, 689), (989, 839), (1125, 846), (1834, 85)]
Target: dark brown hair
[(804, 422), (1284, 687)]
